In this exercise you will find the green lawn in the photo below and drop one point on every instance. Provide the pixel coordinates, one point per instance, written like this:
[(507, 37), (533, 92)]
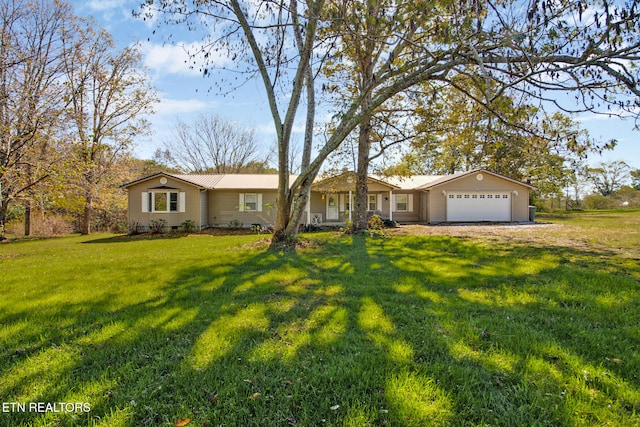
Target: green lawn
[(405, 330)]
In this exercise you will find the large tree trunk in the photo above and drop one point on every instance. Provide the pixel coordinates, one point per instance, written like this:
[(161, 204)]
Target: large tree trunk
[(4, 205), (362, 171), (27, 218), (87, 215), (283, 204)]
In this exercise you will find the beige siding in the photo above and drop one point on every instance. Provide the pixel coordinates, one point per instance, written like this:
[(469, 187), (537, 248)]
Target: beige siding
[(224, 207), (318, 205), (414, 214), (437, 206), (520, 203), (173, 219), (374, 187)]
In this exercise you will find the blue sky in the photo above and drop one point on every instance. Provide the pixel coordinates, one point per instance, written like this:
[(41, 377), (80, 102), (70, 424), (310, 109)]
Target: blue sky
[(185, 93)]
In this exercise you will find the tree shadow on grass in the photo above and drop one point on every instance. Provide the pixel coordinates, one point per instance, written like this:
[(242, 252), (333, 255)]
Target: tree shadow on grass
[(405, 331), (138, 237)]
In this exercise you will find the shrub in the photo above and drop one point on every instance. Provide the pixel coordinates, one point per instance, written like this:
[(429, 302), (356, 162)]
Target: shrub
[(157, 226), (135, 228), (259, 228), (234, 223), (375, 226), (348, 227), (375, 223), (388, 223), (188, 225)]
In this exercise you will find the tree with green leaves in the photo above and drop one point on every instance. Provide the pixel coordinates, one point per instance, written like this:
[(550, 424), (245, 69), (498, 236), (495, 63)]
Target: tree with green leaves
[(537, 49), (609, 177), (31, 97), (108, 96), (456, 134), (635, 178)]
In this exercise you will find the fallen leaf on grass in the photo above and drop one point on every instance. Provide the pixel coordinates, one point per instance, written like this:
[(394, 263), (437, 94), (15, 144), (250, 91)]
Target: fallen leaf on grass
[(335, 407), (182, 422), (213, 398), (255, 396)]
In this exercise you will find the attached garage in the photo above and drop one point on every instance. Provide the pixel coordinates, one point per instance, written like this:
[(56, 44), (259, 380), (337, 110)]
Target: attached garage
[(476, 196), (464, 206)]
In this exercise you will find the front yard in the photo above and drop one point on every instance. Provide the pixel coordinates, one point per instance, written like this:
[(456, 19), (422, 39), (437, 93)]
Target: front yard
[(492, 325)]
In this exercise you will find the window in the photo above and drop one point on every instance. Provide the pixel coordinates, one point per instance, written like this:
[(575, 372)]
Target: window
[(250, 202), (173, 202), (345, 202), (402, 204), (372, 202), (163, 201)]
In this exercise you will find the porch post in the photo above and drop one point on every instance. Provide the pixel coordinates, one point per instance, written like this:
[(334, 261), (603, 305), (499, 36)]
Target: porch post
[(390, 205), (350, 205), (308, 208)]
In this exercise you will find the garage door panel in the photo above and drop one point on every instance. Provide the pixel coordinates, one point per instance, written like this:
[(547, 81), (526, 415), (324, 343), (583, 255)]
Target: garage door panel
[(478, 206)]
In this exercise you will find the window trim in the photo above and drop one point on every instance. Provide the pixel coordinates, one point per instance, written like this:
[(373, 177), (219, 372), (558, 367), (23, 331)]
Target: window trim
[(242, 204), (408, 203), (374, 201), (177, 201)]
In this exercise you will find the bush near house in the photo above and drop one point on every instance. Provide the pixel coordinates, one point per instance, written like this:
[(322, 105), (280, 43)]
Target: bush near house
[(533, 325)]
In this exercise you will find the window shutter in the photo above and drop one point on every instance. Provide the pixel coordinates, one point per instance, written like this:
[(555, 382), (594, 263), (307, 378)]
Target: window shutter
[(394, 204), (145, 202), (379, 202), (410, 202), (341, 198), (241, 202), (259, 207), (182, 198)]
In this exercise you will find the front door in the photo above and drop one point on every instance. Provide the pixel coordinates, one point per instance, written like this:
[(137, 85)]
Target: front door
[(332, 207)]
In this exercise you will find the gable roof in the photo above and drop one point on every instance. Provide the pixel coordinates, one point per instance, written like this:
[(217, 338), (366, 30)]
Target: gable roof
[(221, 181), (449, 178), (324, 184), (346, 181), (184, 178), (408, 182), (249, 182)]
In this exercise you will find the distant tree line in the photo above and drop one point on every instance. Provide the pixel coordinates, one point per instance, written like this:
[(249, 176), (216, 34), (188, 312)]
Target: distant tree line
[(71, 107)]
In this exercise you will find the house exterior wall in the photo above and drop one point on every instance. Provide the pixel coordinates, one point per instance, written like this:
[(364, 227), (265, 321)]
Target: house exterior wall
[(204, 209), (317, 205), (417, 212), (221, 206), (190, 211), (412, 214), (224, 208), (437, 204)]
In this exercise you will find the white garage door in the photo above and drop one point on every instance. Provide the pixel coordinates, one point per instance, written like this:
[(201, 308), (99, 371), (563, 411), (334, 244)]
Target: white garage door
[(478, 206)]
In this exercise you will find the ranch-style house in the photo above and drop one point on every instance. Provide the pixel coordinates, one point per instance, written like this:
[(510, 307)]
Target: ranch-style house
[(217, 200)]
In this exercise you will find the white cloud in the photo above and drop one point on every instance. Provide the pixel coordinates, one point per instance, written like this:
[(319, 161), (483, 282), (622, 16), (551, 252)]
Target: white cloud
[(182, 58), (166, 59), (168, 107), (102, 5)]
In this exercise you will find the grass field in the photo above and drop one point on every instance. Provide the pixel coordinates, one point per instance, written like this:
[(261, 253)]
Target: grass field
[(532, 325)]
